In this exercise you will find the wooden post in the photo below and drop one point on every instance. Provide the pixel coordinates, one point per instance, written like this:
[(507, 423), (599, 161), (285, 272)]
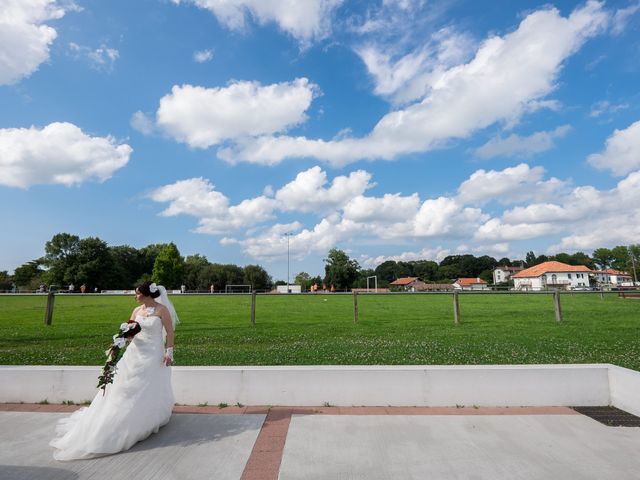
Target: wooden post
[(253, 308), (601, 293), (556, 302), (48, 314), (355, 307), (456, 309)]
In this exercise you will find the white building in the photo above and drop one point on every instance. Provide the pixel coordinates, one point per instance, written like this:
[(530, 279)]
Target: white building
[(612, 277), (503, 274), (470, 284), (289, 289), (556, 275)]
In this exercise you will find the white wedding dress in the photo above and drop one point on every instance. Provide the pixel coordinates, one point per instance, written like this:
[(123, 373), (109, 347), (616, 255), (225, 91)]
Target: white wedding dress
[(136, 405)]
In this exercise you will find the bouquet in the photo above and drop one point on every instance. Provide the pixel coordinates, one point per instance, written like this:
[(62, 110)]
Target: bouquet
[(127, 332)]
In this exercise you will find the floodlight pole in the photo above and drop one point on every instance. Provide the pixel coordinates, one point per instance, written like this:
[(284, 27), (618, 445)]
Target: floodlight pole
[(288, 235), (633, 264)]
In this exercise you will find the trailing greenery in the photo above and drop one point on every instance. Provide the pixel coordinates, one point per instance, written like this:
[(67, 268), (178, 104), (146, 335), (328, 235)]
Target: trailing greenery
[(319, 329)]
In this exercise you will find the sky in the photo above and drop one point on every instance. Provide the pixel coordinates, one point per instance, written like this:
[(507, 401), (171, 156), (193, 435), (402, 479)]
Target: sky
[(270, 131)]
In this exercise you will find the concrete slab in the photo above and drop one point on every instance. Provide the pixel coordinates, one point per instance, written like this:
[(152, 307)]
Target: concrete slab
[(189, 447), (458, 447)]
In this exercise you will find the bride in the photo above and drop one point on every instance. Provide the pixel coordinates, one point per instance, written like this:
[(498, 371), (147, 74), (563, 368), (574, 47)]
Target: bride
[(140, 399)]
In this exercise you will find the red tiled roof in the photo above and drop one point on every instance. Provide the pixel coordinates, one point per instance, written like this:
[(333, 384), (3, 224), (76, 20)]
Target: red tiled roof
[(546, 267), (404, 281), (469, 281), (612, 271)]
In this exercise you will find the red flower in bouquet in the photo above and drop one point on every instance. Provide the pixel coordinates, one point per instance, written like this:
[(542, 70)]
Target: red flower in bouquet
[(127, 332)]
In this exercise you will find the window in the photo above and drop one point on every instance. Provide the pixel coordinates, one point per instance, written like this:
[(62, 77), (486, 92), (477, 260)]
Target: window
[(554, 279), (569, 275)]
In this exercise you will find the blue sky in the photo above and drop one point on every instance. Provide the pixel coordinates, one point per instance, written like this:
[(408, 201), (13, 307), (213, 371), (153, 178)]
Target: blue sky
[(399, 129)]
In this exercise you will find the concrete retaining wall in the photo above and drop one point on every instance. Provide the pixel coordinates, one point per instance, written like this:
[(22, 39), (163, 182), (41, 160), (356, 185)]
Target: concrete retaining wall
[(624, 385), (481, 385)]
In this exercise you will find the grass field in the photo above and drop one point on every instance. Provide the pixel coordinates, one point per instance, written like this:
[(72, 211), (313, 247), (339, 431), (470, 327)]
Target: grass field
[(319, 329)]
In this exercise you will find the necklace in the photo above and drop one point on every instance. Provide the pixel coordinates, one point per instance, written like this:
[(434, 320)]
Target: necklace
[(150, 310)]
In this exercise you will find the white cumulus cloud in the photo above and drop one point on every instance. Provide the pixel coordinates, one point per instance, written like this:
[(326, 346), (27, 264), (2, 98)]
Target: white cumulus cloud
[(202, 117), (465, 98), (622, 151), (202, 56), (25, 37), (306, 21), (511, 185), (306, 193), (59, 153), (521, 146)]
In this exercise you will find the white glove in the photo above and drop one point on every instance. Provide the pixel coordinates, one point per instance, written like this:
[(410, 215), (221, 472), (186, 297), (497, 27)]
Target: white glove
[(169, 353)]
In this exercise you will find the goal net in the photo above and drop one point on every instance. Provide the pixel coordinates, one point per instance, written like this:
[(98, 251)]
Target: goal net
[(237, 289)]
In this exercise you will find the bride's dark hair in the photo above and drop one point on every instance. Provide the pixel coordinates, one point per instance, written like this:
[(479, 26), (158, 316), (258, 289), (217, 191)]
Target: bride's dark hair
[(144, 289)]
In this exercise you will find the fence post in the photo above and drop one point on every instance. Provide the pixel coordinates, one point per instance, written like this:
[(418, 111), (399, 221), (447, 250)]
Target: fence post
[(556, 302), (601, 293), (253, 308), (456, 308), (355, 307), (48, 314)]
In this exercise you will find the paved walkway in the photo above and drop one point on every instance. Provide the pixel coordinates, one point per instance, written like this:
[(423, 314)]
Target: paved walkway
[(248, 443)]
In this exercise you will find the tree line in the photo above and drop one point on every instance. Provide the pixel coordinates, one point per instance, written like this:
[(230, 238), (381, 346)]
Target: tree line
[(345, 273), (71, 260)]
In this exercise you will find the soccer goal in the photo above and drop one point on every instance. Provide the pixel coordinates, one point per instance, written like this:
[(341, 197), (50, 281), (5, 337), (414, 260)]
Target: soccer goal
[(237, 289), (375, 278)]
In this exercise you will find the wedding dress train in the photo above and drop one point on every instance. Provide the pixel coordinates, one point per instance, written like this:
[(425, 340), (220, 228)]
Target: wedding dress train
[(136, 405)]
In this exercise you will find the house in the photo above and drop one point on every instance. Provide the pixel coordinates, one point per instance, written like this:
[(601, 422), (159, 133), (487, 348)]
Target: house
[(503, 274), (408, 284), (612, 277), (470, 284), (555, 275)]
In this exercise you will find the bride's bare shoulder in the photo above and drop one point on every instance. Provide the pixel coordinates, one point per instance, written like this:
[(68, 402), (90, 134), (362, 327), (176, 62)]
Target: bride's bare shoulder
[(161, 309)]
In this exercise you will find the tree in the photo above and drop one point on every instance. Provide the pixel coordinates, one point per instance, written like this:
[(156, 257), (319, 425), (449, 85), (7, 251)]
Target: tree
[(304, 280), (603, 257), (92, 264), (257, 277), (28, 274), (620, 256), (340, 270), (5, 280), (129, 265), (505, 262), (168, 269), (426, 270), (196, 272), (386, 272), (60, 255)]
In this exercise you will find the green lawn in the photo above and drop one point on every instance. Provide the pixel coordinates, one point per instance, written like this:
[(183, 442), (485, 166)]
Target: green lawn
[(319, 329)]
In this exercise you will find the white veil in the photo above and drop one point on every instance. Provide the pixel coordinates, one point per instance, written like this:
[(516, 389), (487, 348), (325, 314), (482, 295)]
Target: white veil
[(164, 300)]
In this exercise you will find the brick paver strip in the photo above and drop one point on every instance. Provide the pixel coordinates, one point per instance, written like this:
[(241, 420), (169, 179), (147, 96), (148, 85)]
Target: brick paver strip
[(266, 456)]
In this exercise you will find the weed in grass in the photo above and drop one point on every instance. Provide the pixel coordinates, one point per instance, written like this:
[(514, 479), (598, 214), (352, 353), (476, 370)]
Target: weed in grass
[(205, 404), (43, 402), (68, 402), (222, 405), (239, 405)]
